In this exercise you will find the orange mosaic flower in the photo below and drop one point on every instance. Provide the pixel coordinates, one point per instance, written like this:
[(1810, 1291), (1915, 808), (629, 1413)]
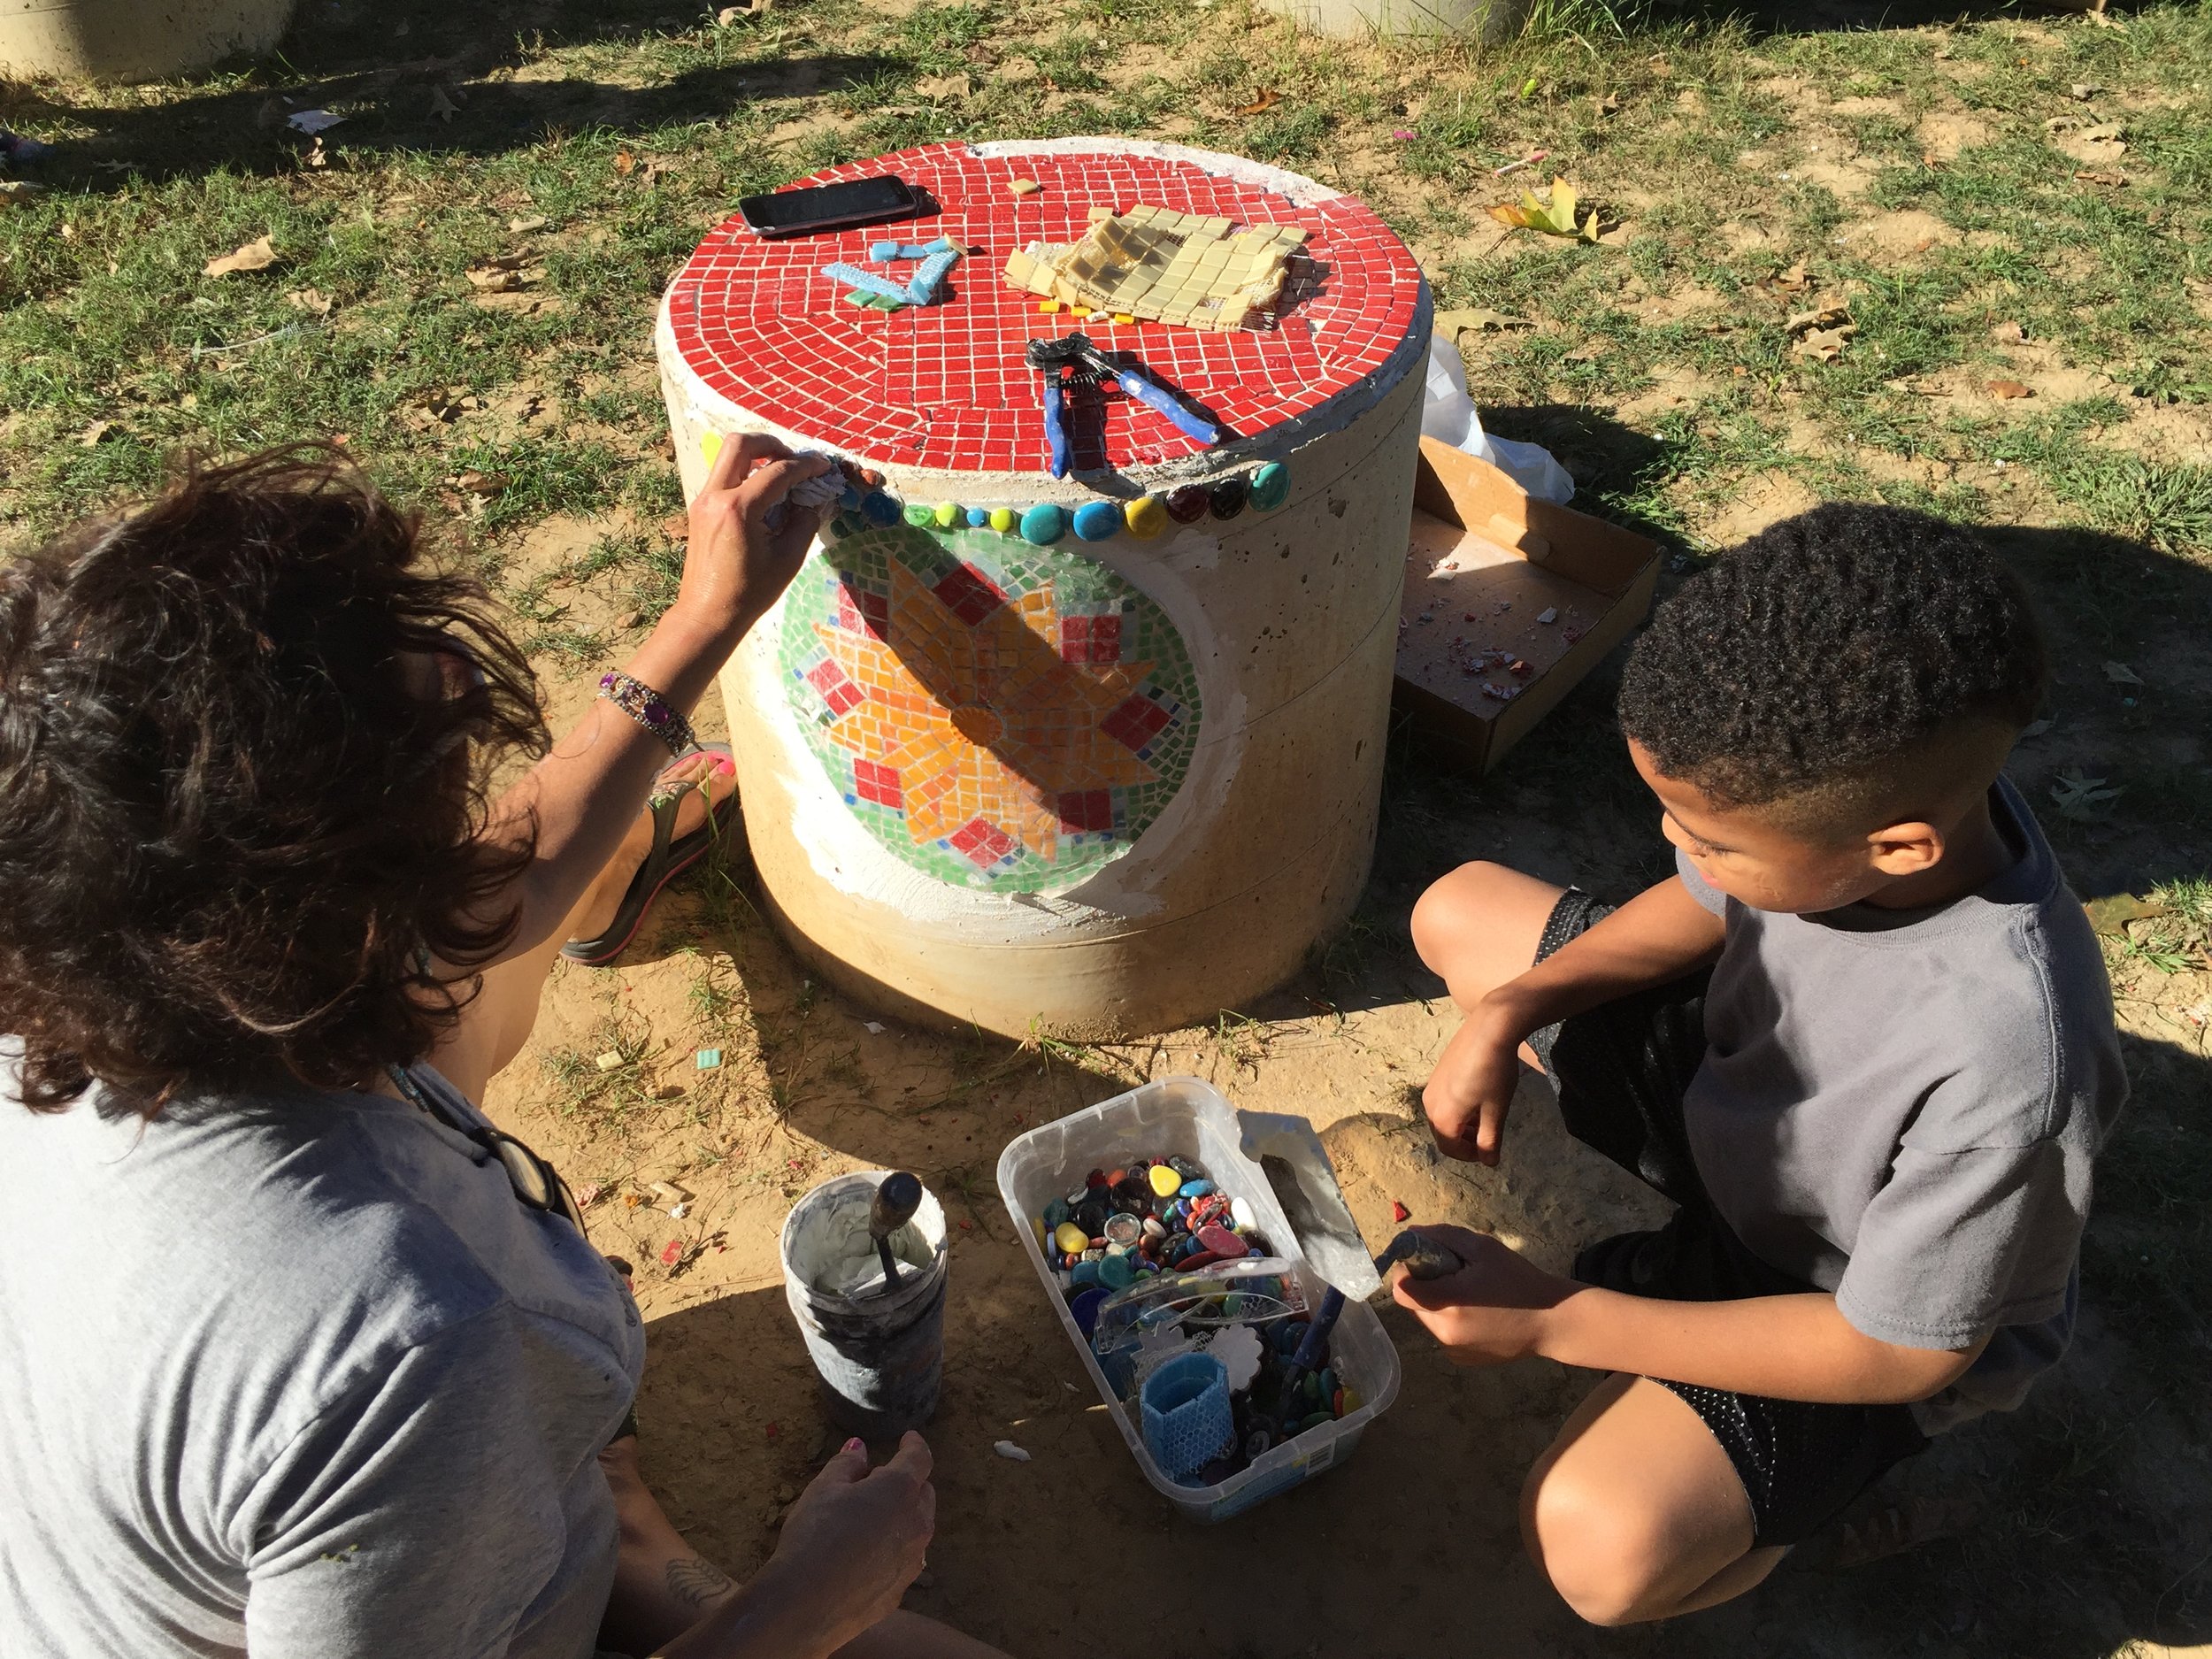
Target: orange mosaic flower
[(968, 709)]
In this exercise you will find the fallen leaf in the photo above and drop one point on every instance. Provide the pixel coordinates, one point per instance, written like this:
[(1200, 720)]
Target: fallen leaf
[(476, 483), (1260, 105), (92, 434), (316, 155), (313, 121), (257, 255), (2121, 674), (2101, 175), (941, 89), (2112, 913), (1824, 345), (442, 105), (2008, 389), (2011, 334), (505, 273), (1553, 216), (1474, 318), (625, 163), (2083, 90), (524, 226), (310, 300), (1610, 104), (1828, 316), (1796, 279), (2082, 798)]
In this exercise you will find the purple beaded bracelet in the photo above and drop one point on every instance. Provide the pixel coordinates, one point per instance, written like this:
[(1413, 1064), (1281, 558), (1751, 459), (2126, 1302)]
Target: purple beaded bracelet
[(650, 709)]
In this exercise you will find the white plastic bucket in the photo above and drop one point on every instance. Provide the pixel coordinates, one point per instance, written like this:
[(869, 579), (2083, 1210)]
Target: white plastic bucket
[(1183, 1117), (880, 1357)]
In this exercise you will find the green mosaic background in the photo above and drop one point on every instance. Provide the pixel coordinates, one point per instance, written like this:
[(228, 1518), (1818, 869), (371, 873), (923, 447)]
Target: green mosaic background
[(861, 555)]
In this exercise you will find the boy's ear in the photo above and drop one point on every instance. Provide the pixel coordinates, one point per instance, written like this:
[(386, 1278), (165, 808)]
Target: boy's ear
[(1905, 849)]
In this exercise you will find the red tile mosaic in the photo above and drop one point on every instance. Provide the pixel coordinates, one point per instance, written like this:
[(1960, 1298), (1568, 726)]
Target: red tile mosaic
[(945, 386)]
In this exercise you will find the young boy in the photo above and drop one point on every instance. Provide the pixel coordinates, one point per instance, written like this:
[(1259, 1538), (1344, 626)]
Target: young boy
[(1863, 1039)]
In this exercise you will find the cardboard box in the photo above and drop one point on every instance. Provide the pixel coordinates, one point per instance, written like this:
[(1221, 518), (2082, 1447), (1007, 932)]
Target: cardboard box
[(1485, 562)]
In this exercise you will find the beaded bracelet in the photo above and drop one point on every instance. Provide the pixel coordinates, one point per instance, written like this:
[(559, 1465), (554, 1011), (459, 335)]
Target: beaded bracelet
[(650, 709)]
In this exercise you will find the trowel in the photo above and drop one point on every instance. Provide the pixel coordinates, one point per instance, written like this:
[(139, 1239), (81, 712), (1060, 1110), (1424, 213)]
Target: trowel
[(1299, 1173)]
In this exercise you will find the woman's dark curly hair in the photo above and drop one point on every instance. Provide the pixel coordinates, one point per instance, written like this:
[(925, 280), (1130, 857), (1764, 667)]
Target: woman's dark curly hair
[(245, 738), (1808, 660)]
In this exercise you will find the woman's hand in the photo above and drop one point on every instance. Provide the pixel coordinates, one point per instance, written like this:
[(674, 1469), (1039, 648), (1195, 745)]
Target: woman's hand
[(857, 1537), (1471, 1089), (1493, 1309), (735, 565)]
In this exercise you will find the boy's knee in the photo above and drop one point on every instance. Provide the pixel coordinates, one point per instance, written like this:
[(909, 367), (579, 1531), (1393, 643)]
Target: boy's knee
[(1443, 911), (1605, 1555)]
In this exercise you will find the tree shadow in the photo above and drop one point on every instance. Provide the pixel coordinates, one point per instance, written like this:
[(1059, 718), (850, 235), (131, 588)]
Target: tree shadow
[(432, 78)]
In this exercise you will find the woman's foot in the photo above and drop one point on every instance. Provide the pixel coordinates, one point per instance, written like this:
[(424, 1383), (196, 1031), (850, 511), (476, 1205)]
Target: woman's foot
[(715, 778)]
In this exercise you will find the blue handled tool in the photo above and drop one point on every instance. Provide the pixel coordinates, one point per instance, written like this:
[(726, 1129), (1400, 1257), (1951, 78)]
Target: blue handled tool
[(1073, 360), (1423, 1258)]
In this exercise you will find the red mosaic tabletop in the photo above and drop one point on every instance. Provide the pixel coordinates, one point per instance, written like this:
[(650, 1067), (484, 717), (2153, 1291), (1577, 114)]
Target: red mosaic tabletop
[(945, 386)]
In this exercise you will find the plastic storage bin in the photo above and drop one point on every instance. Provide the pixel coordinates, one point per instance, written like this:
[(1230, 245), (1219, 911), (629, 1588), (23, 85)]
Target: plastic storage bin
[(1184, 1116)]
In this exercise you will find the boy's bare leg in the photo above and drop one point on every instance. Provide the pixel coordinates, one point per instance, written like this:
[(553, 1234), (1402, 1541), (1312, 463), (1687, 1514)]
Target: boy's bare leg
[(662, 1586), (1635, 1513), (1479, 926), (493, 1027)]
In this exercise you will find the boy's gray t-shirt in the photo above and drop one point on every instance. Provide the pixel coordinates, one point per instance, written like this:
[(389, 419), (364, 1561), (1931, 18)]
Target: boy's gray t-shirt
[(297, 1375), (1902, 1108)]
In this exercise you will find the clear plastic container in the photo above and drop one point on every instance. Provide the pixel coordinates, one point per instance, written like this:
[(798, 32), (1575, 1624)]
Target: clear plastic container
[(1182, 1117)]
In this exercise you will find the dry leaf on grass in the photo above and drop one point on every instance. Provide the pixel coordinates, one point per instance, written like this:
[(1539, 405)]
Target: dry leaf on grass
[(625, 163), (2083, 798), (504, 274), (1796, 279), (257, 255), (1553, 216), (92, 434), (524, 226), (2010, 388), (1474, 318), (945, 89), (2101, 175), (442, 105), (310, 300), (1260, 105), (475, 483), (1824, 345), (2121, 674), (2011, 334)]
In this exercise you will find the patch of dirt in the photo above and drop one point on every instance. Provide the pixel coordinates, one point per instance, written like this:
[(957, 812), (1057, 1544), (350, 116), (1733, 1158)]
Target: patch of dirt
[(1888, 107), (1673, 386), (2166, 432), (1846, 178), (1754, 504), (1892, 237), (1946, 134)]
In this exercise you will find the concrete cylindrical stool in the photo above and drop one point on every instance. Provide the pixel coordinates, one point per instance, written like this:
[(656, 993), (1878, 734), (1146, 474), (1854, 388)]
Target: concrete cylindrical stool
[(133, 40), (1097, 786)]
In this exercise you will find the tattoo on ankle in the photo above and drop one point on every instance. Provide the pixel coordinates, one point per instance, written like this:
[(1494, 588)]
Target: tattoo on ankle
[(698, 1581)]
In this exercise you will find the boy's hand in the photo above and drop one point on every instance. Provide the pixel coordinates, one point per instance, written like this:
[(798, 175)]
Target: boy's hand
[(1471, 1089), (735, 567), (1491, 1311)]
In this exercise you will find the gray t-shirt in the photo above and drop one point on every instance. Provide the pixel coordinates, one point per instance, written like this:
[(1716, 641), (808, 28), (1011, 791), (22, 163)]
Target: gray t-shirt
[(296, 1374), (1902, 1108)]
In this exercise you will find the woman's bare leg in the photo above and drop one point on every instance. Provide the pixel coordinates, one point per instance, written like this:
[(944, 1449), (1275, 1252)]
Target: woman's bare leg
[(495, 1025)]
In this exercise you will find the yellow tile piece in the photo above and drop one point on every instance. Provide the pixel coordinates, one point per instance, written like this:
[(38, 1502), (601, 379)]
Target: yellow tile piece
[(1124, 318), (1048, 306)]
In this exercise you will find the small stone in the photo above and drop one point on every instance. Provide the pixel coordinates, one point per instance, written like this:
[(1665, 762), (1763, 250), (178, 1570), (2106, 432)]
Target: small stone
[(1058, 1214), (1220, 1241), (1271, 486), (1550, 614), (1011, 1452), (1188, 503), (1243, 1214), (1070, 1237), (1196, 1189), (1115, 1272), (1097, 520), (1044, 524), (1146, 517), (1164, 1181), (1023, 187)]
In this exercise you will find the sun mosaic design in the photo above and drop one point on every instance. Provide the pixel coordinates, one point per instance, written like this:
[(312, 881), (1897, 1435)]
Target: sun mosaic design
[(999, 715)]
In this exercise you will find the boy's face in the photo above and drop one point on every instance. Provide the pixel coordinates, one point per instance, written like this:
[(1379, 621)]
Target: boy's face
[(1743, 852)]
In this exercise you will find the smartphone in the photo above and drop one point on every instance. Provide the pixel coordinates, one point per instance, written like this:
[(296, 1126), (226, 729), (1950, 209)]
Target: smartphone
[(831, 206)]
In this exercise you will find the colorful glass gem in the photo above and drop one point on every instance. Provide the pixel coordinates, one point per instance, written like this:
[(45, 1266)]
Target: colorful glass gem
[(1004, 519), (1227, 497), (878, 509), (948, 514), (1097, 520), (978, 517), (1271, 486), (1044, 524), (920, 514), (1147, 517), (1188, 503)]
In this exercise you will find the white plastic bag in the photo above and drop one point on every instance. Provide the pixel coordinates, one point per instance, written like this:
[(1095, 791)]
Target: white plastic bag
[(1448, 414)]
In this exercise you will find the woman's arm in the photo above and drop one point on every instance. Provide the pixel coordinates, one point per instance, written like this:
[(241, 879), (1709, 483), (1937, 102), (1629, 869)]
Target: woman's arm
[(585, 794)]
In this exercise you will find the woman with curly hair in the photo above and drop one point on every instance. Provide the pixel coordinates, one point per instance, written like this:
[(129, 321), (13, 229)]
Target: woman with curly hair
[(301, 1355)]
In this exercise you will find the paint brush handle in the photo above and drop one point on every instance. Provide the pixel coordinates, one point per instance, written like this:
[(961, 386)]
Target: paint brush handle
[(1153, 397), (1315, 1344), (1056, 425), (890, 1264)]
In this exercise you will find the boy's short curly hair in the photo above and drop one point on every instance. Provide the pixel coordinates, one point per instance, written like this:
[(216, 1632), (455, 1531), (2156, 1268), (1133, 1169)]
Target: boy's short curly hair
[(244, 732), (1817, 660)]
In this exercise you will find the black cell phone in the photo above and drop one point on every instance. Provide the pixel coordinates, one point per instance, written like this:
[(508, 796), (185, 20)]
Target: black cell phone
[(831, 206)]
